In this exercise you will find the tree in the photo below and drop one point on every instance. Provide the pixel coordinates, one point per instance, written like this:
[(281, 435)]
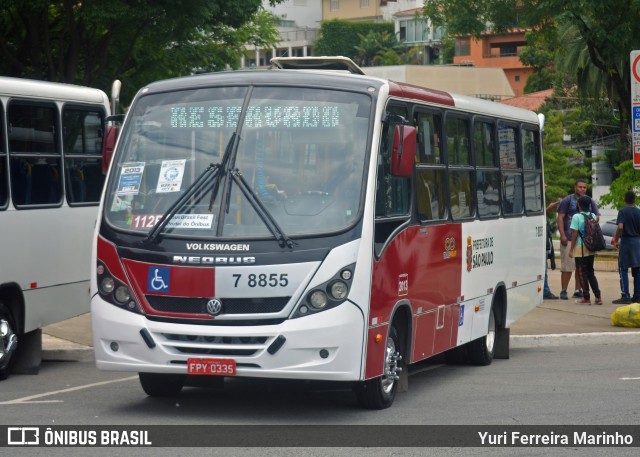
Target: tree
[(609, 30), (341, 38), (562, 164), (378, 48), (629, 179), (542, 47), (138, 41)]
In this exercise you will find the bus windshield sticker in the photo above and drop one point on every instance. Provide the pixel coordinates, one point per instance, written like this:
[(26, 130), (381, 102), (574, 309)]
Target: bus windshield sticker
[(183, 221), (171, 174), (130, 178)]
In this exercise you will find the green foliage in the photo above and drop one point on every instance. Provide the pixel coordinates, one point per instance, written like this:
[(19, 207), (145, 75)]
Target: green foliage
[(562, 164), (629, 179), (539, 80), (94, 42), (388, 57), (341, 38), (378, 48), (606, 32), (463, 17)]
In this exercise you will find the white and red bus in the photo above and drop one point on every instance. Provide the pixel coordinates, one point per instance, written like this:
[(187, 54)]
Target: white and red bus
[(50, 187), (307, 223)]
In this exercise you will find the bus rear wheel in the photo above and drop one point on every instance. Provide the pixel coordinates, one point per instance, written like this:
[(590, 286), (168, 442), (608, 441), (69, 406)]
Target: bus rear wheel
[(8, 340), (380, 392), (481, 351), (161, 385)]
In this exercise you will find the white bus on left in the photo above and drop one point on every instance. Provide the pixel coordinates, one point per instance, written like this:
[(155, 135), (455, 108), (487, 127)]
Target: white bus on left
[(51, 179)]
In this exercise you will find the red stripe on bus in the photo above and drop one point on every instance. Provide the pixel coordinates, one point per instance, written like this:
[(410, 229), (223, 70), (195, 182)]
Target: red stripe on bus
[(423, 270), (420, 93), (108, 255), (183, 281)]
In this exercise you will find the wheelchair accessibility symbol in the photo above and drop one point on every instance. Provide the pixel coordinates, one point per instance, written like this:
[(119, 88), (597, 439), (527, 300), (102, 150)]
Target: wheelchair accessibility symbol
[(158, 280)]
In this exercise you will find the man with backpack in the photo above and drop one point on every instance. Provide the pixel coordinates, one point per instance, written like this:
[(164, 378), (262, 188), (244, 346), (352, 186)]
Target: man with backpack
[(566, 210), (627, 240), (583, 256)]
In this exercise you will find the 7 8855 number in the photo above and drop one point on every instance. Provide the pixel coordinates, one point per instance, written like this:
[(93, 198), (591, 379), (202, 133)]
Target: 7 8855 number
[(261, 280)]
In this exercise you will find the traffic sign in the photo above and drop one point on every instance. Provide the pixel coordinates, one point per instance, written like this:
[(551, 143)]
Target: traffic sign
[(635, 106)]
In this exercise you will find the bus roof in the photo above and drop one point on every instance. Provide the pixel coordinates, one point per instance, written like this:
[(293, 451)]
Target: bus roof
[(341, 72), (17, 87)]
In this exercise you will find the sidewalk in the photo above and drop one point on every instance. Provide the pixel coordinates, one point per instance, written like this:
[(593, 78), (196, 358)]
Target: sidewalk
[(553, 323)]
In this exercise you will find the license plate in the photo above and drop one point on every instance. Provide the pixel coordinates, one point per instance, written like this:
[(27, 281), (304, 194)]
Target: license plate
[(211, 367)]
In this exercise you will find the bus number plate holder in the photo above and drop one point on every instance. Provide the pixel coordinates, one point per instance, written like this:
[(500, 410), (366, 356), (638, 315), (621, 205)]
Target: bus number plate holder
[(211, 367)]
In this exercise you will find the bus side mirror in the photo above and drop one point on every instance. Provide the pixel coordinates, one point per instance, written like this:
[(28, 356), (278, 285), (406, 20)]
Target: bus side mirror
[(108, 145), (404, 151)]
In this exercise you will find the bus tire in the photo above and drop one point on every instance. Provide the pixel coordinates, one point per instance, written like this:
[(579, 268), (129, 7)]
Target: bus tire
[(161, 385), (8, 340), (481, 351), (380, 392)]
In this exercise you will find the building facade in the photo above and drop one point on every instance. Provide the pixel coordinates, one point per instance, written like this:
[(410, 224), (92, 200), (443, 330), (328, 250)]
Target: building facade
[(493, 50), (299, 23)]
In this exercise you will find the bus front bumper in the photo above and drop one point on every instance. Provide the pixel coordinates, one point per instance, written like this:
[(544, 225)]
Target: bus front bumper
[(325, 346)]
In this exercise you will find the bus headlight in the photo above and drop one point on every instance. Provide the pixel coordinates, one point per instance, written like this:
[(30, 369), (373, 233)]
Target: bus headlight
[(327, 295), (107, 285), (339, 290), (122, 294), (318, 299), (115, 291)]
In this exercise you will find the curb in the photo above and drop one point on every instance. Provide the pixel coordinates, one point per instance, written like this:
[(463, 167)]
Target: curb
[(57, 349), (574, 339)]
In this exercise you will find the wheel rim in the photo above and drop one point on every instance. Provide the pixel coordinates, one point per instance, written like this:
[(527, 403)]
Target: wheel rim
[(390, 365), (8, 341), (491, 334)]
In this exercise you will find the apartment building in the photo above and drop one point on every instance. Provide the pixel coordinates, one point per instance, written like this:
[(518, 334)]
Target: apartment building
[(299, 23), (496, 50), (366, 10)]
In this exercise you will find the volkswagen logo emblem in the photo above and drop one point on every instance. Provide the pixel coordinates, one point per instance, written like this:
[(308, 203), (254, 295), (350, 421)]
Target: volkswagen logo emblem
[(214, 306)]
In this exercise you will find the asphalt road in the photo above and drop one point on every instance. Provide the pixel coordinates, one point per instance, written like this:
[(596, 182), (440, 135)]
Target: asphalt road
[(566, 385)]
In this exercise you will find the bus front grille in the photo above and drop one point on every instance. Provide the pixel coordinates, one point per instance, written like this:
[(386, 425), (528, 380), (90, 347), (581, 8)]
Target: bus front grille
[(190, 305), (223, 346)]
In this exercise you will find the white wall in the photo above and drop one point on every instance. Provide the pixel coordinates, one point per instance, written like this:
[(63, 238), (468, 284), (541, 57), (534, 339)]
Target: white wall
[(401, 5), (305, 13)]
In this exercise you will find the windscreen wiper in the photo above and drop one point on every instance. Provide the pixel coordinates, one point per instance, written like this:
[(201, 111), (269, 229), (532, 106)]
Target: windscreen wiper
[(209, 173), (262, 211)]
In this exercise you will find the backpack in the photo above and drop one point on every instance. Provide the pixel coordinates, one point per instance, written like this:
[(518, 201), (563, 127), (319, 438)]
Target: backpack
[(592, 237)]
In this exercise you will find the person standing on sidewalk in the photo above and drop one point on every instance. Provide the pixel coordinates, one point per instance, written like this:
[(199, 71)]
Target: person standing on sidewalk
[(627, 240), (583, 257), (566, 210)]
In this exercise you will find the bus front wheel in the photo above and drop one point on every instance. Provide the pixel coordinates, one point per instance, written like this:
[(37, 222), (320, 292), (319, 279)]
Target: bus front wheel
[(380, 392), (8, 340), (161, 385)]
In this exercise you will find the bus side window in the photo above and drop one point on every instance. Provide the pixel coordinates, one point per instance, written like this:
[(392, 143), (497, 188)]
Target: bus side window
[(34, 153), (488, 185), (392, 192), (512, 193), (4, 195), (428, 149), (82, 144), (4, 175), (46, 182), (430, 185)]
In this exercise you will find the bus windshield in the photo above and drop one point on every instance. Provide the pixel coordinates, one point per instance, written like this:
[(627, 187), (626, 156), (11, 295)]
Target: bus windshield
[(299, 155)]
